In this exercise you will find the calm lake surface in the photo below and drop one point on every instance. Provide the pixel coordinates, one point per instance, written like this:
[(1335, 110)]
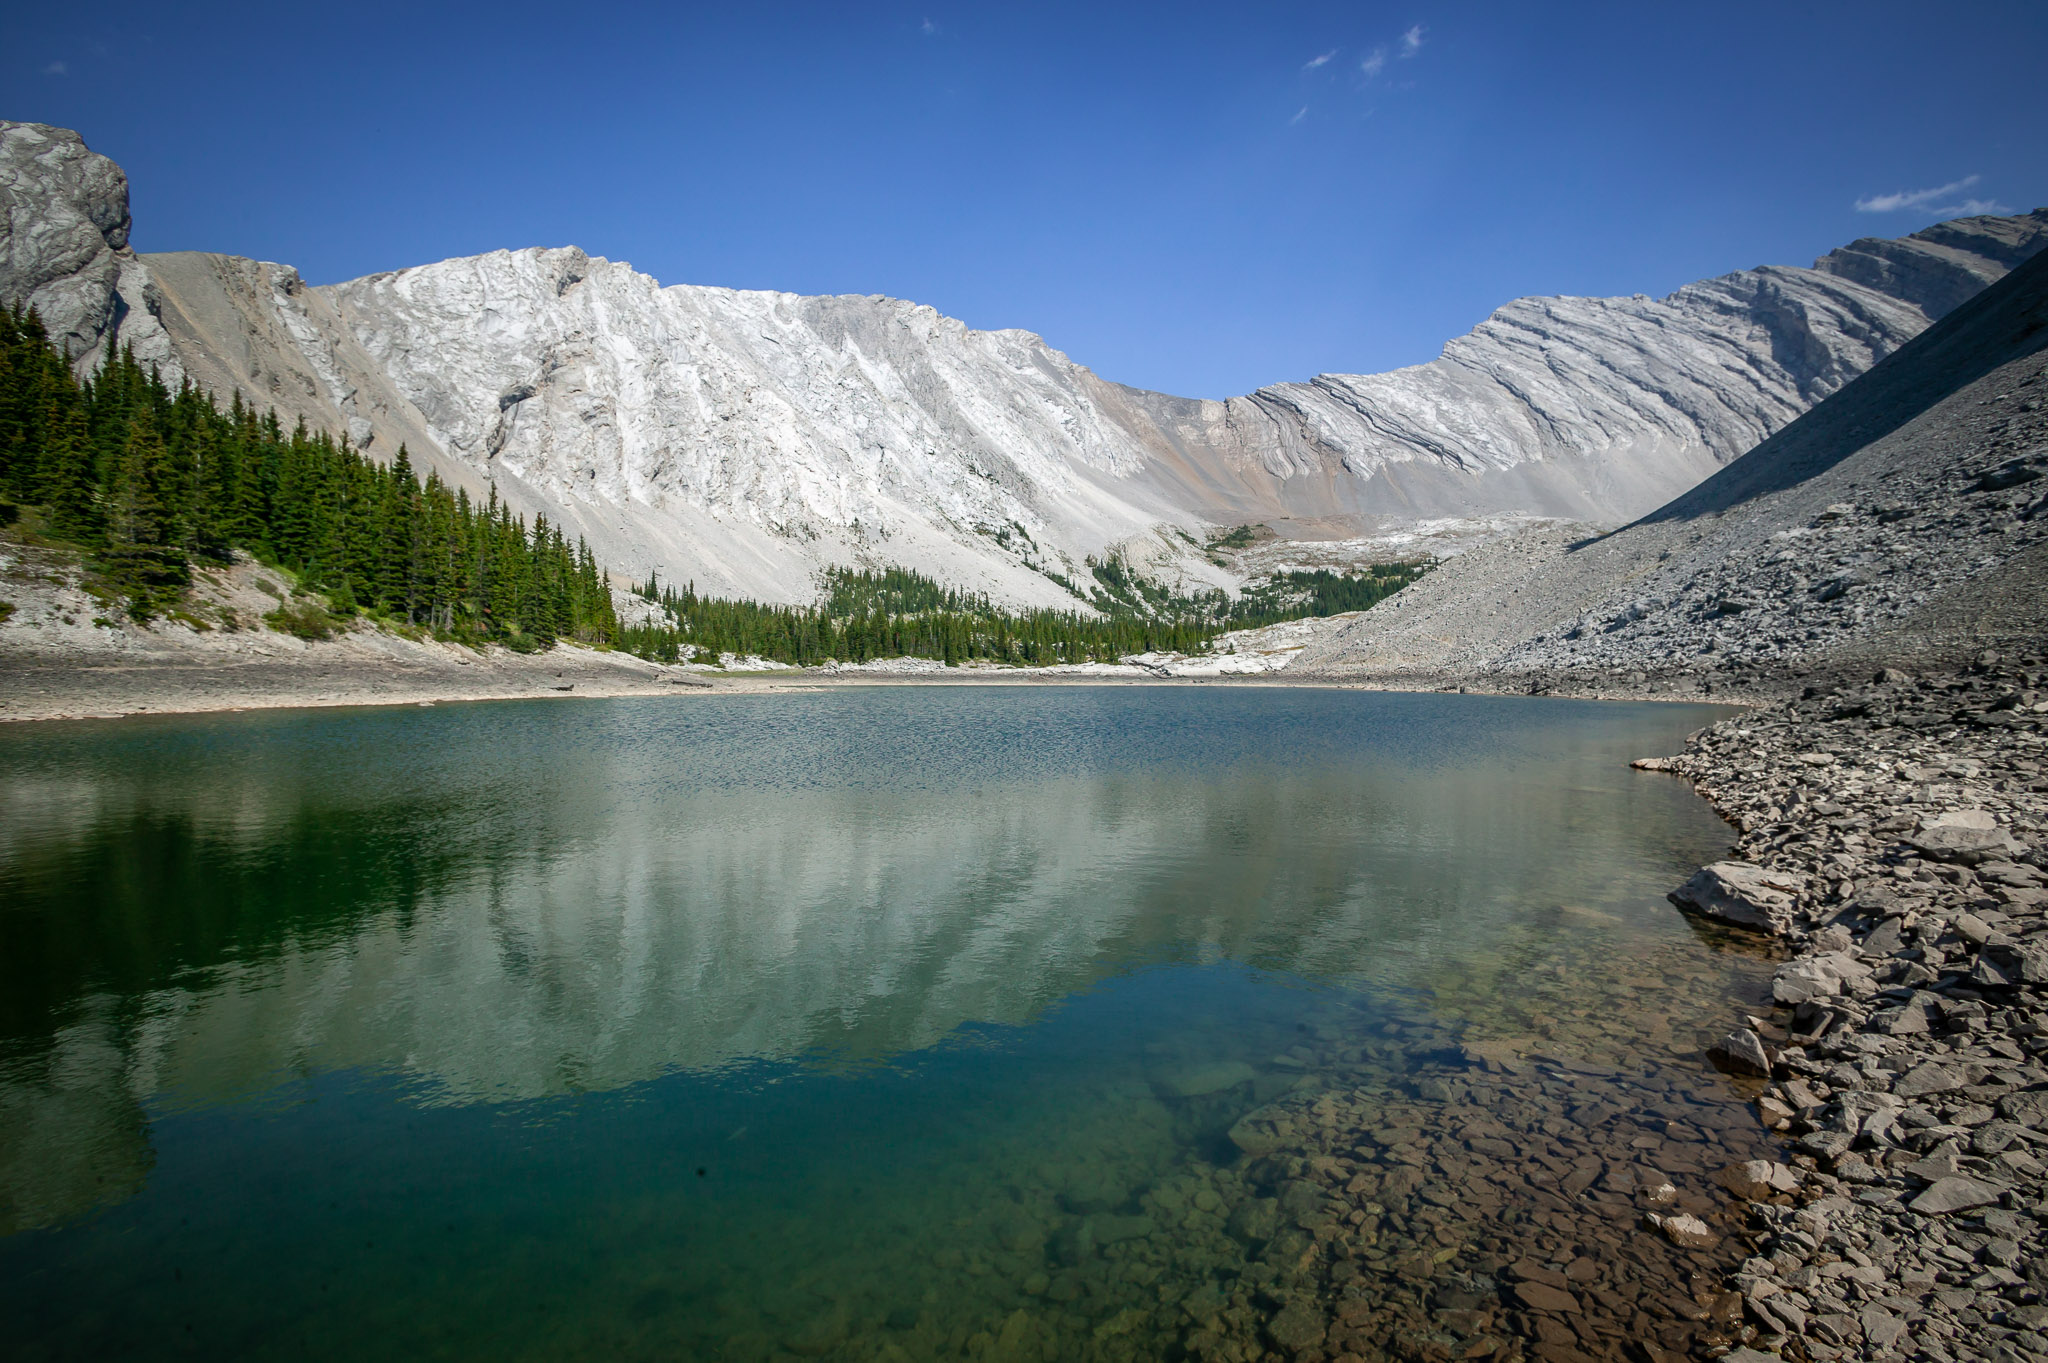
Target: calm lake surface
[(876, 1024)]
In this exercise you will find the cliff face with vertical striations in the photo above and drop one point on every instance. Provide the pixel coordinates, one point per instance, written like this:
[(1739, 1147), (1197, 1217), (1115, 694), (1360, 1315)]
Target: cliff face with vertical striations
[(746, 439)]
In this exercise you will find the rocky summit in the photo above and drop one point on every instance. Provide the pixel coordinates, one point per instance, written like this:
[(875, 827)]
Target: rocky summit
[(745, 439)]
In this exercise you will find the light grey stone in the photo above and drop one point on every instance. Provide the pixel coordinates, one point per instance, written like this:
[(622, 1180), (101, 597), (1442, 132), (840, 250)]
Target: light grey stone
[(1741, 893), (1956, 1193)]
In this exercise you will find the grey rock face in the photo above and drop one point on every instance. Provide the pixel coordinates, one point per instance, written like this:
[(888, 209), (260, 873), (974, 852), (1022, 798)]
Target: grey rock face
[(1868, 525), (1602, 408), (66, 223), (787, 421), (64, 247)]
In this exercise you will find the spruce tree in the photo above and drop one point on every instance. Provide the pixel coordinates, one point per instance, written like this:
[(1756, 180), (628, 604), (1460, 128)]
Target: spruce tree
[(140, 557)]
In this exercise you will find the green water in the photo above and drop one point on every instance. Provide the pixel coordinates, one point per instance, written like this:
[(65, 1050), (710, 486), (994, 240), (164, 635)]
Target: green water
[(838, 1025)]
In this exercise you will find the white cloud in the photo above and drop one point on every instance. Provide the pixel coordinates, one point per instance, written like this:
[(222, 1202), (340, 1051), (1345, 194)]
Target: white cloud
[(1930, 200), (1912, 198), (1411, 41), (1313, 62), (1299, 115), (1374, 63), (56, 69), (930, 28)]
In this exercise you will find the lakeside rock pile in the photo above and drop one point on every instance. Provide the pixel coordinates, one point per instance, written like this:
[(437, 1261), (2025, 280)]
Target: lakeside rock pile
[(1896, 833)]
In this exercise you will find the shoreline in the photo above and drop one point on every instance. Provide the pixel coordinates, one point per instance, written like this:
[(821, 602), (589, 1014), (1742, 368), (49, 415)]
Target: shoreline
[(391, 671), (1890, 834)]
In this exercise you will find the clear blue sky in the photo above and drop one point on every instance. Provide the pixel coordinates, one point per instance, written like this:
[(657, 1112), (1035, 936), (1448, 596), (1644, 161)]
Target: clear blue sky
[(1200, 199)]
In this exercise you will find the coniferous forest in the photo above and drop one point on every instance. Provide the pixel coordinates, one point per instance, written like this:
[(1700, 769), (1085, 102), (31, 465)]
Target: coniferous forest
[(149, 484)]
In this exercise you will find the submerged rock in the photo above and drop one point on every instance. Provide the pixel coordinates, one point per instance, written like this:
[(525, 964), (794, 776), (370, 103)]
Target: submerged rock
[(1198, 1080)]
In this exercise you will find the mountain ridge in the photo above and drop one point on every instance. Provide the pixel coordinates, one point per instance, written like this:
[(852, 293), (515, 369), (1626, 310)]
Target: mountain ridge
[(749, 439)]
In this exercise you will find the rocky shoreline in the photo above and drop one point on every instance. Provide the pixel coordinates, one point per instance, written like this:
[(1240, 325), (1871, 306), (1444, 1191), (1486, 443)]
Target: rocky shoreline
[(1892, 834)]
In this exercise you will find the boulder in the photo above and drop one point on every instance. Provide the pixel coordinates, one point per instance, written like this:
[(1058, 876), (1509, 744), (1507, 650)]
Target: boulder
[(2028, 1109), (1743, 894), (1260, 1133), (1298, 1327), (1197, 1080), (1742, 1050), (1963, 836), (1930, 1077), (1543, 1297), (1755, 1180), (1819, 977), (1685, 1231)]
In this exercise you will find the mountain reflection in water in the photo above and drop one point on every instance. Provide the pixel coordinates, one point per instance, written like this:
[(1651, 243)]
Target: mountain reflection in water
[(508, 903)]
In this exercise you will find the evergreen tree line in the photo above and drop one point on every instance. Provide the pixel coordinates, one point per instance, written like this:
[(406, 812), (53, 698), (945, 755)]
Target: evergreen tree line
[(1318, 592), (898, 613), (151, 482), (855, 623)]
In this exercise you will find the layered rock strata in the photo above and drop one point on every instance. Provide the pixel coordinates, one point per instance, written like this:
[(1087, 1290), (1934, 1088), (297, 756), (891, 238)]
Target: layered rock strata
[(1909, 512)]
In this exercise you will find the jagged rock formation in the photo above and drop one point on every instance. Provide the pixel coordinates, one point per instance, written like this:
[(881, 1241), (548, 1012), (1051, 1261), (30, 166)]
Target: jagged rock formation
[(64, 247), (745, 439)]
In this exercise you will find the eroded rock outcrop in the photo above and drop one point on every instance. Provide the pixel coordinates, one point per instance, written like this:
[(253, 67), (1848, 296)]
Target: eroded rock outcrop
[(64, 248)]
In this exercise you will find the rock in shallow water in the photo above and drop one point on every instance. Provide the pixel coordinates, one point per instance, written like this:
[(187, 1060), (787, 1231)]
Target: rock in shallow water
[(1685, 1230), (1198, 1080), (1741, 893)]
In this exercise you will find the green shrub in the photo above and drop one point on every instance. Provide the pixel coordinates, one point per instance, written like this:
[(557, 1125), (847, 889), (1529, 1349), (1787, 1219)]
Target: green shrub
[(302, 620)]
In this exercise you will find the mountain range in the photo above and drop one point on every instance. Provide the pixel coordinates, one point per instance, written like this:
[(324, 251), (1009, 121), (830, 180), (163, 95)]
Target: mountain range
[(746, 439)]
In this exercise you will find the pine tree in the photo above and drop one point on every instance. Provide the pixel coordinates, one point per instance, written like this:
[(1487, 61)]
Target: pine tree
[(140, 558)]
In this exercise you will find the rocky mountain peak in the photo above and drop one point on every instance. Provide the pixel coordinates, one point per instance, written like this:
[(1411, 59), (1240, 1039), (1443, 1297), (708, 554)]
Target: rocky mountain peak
[(64, 247)]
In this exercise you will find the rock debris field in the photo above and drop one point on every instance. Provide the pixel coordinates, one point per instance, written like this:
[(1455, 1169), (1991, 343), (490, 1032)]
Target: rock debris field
[(1892, 833)]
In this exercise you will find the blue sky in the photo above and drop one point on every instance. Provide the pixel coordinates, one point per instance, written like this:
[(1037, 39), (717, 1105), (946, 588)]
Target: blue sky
[(1200, 199)]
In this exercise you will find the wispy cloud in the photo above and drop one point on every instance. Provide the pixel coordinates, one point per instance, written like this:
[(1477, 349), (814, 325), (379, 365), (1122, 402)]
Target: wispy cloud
[(56, 69), (1374, 63), (1299, 115), (1411, 41), (930, 28), (1313, 62), (1930, 200)]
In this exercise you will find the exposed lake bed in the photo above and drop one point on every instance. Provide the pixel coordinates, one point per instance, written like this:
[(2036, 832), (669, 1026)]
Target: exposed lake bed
[(1077, 1023)]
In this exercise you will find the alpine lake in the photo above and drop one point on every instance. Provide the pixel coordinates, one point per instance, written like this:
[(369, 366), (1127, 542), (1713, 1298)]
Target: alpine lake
[(877, 1023)]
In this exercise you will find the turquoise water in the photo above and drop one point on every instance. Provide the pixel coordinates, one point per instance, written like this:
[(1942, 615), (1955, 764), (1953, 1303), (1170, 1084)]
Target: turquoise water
[(860, 1024)]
